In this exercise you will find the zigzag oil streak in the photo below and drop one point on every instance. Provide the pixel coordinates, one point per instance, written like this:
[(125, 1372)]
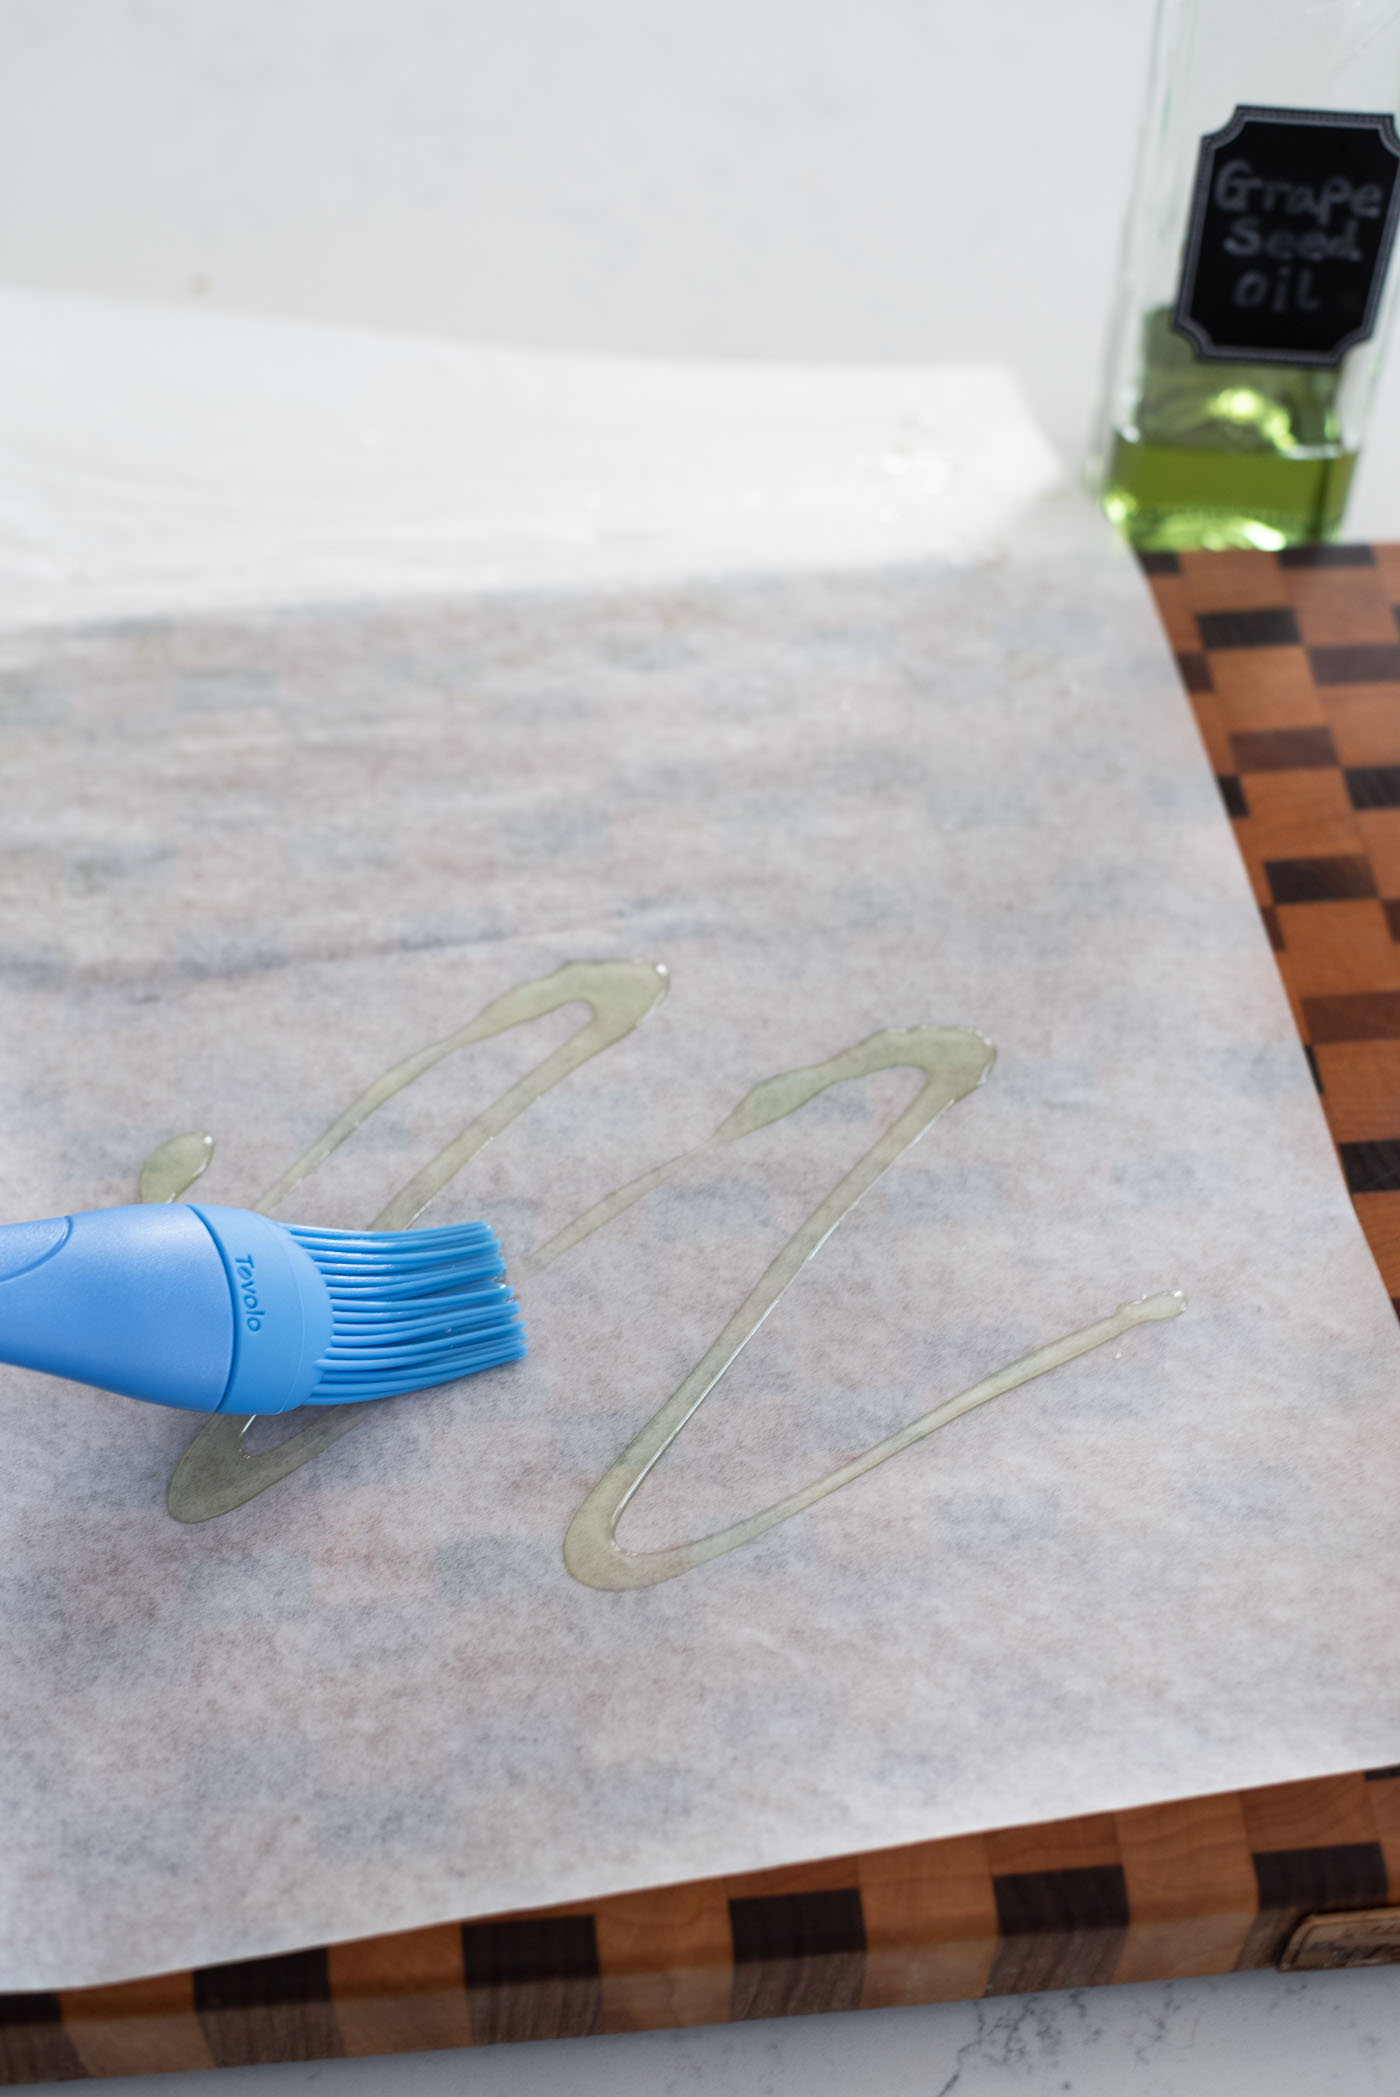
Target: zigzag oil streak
[(216, 1474)]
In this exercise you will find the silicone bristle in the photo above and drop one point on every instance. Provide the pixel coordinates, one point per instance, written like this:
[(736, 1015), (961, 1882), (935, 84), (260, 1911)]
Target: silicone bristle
[(411, 1309)]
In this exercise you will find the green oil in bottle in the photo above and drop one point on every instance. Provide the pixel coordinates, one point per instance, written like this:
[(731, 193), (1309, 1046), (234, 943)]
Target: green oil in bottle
[(1226, 454)]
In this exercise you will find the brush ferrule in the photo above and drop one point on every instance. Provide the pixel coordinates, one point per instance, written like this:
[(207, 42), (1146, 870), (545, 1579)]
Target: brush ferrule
[(282, 1318)]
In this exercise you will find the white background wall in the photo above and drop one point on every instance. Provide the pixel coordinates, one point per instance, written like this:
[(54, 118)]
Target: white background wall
[(826, 179), (791, 179)]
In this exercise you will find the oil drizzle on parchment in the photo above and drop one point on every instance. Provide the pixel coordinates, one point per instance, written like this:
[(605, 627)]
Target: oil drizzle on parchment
[(217, 1473), (591, 1550), (955, 1061), (619, 994)]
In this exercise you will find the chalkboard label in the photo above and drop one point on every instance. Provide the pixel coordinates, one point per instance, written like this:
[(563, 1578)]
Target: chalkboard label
[(1291, 228)]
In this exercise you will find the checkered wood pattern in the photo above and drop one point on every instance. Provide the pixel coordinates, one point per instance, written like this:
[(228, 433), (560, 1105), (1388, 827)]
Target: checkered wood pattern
[(1293, 666), (1195, 1887)]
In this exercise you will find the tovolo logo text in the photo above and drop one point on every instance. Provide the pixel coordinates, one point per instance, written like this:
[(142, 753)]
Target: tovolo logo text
[(248, 1290)]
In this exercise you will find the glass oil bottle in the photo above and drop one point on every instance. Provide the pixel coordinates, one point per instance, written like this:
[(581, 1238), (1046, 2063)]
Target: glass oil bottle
[(1254, 289)]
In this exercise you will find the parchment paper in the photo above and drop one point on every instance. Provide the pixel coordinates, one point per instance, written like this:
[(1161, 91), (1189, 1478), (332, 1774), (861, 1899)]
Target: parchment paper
[(252, 863)]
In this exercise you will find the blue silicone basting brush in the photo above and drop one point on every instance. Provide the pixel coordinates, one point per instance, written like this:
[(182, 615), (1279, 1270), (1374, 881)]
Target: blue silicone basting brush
[(224, 1311)]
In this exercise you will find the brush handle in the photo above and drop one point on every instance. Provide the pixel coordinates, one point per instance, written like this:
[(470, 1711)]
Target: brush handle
[(134, 1300), (223, 1310)]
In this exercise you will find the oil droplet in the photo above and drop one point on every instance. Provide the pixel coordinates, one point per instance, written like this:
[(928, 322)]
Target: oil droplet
[(175, 1166)]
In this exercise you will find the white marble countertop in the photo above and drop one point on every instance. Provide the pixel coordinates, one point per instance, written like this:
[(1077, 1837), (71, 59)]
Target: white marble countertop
[(1243, 2035)]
